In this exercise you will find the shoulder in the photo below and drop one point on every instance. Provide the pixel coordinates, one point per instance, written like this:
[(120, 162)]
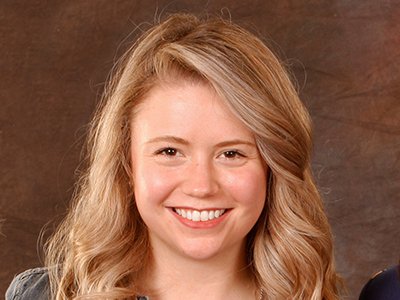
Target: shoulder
[(384, 285), (34, 284), (31, 284)]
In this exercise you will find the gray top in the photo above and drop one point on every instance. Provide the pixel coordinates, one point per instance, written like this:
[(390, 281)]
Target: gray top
[(33, 284)]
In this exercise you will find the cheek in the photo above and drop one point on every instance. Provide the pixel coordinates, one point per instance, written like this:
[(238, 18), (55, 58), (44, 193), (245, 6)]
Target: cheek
[(248, 187), (151, 184)]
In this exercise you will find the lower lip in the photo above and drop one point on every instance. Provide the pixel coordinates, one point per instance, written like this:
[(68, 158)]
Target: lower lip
[(201, 224)]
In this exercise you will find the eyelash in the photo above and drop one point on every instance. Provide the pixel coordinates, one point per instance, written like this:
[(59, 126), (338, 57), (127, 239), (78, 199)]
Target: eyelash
[(164, 151), (232, 154), (173, 152)]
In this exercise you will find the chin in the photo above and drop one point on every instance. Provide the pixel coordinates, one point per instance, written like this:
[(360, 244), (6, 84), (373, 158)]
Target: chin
[(203, 249)]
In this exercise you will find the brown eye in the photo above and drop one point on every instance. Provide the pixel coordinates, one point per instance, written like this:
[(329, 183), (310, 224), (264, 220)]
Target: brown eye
[(168, 152), (231, 154)]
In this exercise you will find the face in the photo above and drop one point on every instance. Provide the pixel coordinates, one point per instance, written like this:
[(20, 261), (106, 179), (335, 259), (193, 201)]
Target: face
[(199, 180)]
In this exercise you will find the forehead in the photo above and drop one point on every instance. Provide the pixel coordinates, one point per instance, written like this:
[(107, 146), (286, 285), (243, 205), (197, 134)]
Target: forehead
[(184, 106), (168, 96)]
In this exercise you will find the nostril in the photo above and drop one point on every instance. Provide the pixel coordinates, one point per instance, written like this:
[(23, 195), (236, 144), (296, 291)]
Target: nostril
[(200, 180)]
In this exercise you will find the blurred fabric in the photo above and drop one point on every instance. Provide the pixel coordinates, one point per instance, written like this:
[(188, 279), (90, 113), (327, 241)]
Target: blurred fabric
[(56, 55)]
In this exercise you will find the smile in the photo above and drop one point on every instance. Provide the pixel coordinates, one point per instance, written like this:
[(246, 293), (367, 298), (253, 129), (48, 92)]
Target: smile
[(199, 216)]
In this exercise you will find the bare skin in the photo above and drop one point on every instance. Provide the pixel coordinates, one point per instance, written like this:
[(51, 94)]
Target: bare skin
[(192, 156)]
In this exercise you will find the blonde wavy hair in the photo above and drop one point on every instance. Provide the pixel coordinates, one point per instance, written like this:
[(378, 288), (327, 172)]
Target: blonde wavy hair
[(102, 247)]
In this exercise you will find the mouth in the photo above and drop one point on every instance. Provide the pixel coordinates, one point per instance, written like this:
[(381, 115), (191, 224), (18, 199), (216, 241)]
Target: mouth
[(199, 215)]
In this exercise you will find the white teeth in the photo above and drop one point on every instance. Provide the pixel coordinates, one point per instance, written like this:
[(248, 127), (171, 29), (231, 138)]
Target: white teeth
[(197, 216), (204, 215)]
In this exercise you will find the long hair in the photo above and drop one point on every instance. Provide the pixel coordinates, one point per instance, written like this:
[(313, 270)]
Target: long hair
[(101, 248)]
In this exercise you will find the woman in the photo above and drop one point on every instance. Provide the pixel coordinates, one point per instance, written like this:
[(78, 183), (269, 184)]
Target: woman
[(199, 182)]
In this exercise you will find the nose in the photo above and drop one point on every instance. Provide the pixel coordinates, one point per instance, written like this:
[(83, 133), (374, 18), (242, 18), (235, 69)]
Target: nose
[(200, 180)]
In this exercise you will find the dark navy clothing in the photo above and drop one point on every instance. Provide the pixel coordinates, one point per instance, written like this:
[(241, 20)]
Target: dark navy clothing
[(33, 285), (383, 286)]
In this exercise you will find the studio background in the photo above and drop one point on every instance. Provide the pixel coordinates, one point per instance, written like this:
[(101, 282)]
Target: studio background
[(56, 55)]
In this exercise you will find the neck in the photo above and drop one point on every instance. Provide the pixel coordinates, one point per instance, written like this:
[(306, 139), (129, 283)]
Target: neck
[(224, 276)]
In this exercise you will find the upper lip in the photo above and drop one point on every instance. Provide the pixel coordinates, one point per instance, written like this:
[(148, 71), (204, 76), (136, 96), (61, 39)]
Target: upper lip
[(199, 209)]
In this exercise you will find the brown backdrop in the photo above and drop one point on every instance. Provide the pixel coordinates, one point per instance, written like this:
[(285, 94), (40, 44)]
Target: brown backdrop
[(55, 56)]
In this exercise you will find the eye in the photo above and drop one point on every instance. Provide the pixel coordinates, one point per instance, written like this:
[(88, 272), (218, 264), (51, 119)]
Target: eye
[(169, 151), (232, 154)]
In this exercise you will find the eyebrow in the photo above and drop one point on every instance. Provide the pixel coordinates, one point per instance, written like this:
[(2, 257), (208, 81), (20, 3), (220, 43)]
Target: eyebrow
[(178, 140), (236, 142), (168, 138)]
